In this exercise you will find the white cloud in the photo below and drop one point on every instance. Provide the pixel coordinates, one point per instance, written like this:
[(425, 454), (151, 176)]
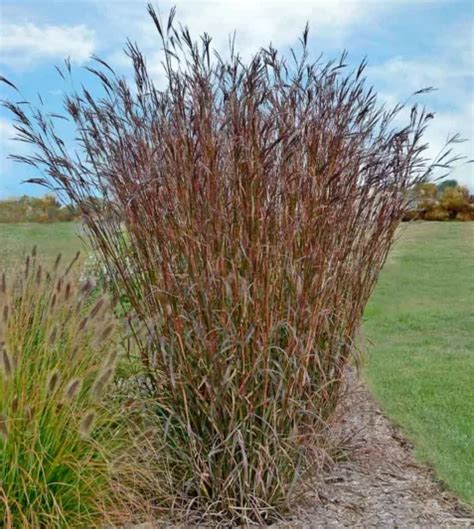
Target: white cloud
[(256, 22), (7, 133), (24, 45), (460, 121), (450, 69), (8, 146), (416, 74)]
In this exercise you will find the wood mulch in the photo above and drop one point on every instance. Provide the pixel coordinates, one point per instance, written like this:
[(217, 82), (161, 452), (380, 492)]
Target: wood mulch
[(380, 485)]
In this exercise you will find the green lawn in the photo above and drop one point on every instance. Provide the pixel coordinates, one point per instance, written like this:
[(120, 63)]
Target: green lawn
[(421, 361), (17, 240), (420, 322)]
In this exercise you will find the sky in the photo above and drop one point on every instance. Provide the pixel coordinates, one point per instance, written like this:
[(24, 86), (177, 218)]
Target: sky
[(409, 44)]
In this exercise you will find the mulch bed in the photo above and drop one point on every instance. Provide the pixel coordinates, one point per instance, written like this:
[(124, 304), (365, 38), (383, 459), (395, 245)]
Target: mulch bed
[(380, 485)]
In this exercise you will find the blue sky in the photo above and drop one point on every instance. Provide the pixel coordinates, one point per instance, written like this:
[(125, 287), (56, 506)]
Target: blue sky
[(410, 44)]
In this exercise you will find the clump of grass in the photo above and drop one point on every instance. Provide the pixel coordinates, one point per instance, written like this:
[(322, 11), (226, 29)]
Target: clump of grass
[(57, 438), (243, 213)]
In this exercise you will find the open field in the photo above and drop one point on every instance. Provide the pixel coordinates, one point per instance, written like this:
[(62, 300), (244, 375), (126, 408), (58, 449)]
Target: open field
[(17, 240), (421, 362), (420, 323)]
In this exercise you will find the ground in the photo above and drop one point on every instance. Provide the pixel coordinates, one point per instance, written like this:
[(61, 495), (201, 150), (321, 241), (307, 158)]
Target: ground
[(418, 331)]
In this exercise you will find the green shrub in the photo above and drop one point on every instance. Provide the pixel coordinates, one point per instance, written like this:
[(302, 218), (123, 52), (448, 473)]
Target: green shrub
[(465, 215), (447, 201), (455, 200), (57, 438), (438, 213)]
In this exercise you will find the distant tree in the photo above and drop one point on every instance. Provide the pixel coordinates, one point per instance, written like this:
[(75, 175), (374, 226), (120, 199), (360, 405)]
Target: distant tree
[(445, 184), (455, 200)]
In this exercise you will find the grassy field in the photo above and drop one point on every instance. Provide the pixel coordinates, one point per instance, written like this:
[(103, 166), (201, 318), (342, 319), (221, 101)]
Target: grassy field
[(17, 240), (421, 361), (420, 323)]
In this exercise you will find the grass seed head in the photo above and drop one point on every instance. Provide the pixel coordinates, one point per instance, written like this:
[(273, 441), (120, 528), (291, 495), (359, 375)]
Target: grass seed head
[(72, 389), (67, 291), (38, 275), (102, 381), (53, 382), (14, 405), (6, 363), (87, 423), (30, 412), (96, 309), (107, 332), (83, 323), (57, 261), (3, 427), (53, 336)]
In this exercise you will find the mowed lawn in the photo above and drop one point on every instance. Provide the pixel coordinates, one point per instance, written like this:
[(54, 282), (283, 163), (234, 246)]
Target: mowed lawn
[(420, 323), (421, 359), (17, 240)]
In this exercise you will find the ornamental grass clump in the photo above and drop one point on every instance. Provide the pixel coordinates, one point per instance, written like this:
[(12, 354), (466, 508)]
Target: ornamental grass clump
[(243, 212), (57, 438)]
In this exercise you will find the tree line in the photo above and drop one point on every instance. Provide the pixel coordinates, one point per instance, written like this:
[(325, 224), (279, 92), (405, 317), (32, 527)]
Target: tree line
[(444, 201), (36, 209)]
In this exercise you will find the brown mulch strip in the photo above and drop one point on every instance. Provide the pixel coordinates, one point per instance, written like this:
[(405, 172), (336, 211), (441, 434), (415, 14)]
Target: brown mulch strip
[(380, 485)]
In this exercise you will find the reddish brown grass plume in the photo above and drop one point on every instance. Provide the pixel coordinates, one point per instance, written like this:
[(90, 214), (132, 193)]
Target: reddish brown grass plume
[(243, 213)]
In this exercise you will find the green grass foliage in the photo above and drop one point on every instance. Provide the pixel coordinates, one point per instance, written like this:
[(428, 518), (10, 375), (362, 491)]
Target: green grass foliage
[(57, 439)]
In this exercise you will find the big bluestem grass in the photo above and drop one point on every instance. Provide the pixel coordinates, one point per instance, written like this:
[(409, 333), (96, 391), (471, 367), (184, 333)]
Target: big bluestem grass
[(59, 442), (243, 212)]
